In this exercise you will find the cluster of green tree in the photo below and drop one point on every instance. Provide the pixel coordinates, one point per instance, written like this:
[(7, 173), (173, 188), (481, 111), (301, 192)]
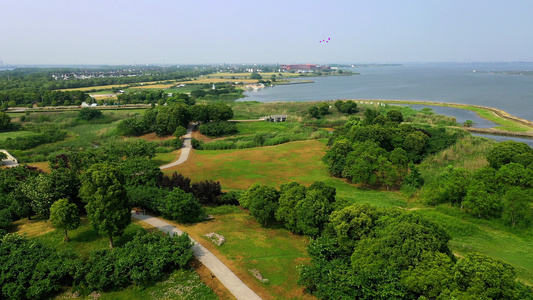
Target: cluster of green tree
[(503, 190), (318, 111), (222, 91), (165, 120), (31, 270), (255, 75), (25, 191), (367, 252), (88, 114), (347, 107), (380, 150), (218, 128), (174, 197), (37, 80), (12, 98), (28, 142), (303, 210), (5, 122), (143, 96)]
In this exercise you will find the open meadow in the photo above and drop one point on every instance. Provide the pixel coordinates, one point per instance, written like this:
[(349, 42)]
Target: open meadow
[(273, 251), (302, 162)]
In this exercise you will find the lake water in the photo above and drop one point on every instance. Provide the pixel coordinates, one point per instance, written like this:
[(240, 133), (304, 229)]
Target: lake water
[(442, 82)]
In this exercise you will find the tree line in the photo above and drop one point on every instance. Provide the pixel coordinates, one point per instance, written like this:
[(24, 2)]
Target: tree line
[(379, 150), (102, 184), (164, 120), (37, 80)]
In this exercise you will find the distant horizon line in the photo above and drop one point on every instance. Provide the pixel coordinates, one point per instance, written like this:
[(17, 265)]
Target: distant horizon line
[(260, 64)]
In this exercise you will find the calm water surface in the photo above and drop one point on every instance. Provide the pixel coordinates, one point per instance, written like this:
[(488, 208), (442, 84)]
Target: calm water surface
[(443, 82)]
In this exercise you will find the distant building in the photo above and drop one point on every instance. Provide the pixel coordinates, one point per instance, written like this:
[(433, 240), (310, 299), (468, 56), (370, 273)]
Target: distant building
[(304, 67), (1, 62)]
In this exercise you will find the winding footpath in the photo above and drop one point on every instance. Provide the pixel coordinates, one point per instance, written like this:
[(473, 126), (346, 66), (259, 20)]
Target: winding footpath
[(238, 288), (185, 149)]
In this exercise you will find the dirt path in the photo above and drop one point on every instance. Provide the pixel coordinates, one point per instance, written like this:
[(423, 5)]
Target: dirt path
[(238, 288)]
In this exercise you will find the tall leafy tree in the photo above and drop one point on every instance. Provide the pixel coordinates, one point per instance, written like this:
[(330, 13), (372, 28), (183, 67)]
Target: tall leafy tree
[(314, 210), (5, 121), (264, 204), (516, 206), (290, 194), (64, 215), (181, 206), (40, 192), (108, 208), (506, 152)]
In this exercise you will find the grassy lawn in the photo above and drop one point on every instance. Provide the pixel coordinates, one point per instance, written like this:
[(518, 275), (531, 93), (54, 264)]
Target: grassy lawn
[(246, 128), (166, 158), (275, 165), (302, 162), (265, 75), (492, 238), (82, 240), (15, 134), (216, 79), (275, 253)]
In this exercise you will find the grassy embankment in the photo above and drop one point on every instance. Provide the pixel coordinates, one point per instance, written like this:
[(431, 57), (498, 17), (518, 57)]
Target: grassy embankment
[(507, 122), (180, 284)]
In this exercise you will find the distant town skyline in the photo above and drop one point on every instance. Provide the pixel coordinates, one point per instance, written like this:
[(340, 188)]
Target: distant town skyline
[(97, 32)]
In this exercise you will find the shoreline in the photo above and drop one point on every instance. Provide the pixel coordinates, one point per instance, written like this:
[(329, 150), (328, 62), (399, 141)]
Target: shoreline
[(525, 125)]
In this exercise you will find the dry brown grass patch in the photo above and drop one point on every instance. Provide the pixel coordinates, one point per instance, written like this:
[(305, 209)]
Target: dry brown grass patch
[(32, 228), (150, 137)]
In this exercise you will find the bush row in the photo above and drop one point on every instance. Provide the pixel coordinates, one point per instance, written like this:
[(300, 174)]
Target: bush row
[(30, 270), (259, 140)]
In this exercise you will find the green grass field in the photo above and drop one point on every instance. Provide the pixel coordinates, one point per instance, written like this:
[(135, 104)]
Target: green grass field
[(275, 253), (165, 158), (302, 162), (15, 134), (246, 128), (276, 165)]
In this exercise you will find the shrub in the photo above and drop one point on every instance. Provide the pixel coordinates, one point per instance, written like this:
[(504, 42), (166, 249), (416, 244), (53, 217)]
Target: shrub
[(88, 114), (196, 144), (218, 128), (181, 207), (230, 198), (147, 258), (207, 192)]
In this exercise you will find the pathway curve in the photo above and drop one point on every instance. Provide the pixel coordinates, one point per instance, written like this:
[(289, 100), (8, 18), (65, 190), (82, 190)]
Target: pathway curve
[(185, 148), (238, 288), (10, 161)]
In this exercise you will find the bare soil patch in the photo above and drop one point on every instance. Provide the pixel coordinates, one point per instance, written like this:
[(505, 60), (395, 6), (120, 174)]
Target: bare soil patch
[(151, 137)]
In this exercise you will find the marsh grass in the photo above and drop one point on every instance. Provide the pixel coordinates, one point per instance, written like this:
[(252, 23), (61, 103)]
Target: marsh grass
[(468, 152), (490, 237)]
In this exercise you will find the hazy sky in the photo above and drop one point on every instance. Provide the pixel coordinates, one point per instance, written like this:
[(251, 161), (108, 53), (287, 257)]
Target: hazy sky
[(199, 31)]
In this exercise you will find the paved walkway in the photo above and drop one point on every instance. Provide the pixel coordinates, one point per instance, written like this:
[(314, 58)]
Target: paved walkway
[(10, 161), (238, 288), (185, 149)]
